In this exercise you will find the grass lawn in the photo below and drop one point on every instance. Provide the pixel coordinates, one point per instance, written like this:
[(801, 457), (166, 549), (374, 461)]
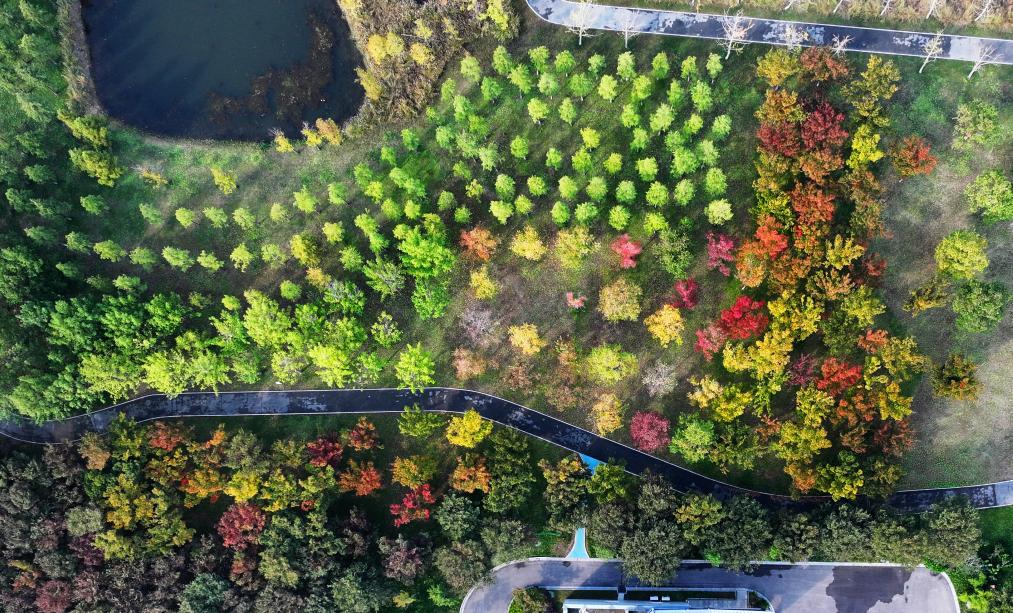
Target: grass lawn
[(958, 442)]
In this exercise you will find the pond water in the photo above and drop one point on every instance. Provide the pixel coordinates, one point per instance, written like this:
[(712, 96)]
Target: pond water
[(222, 68)]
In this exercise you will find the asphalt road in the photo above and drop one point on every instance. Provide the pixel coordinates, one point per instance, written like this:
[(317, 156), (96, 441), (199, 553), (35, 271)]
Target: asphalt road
[(594, 16), (452, 400), (803, 588)]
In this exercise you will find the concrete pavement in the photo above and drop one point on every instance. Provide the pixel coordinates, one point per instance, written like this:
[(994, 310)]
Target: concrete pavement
[(790, 588)]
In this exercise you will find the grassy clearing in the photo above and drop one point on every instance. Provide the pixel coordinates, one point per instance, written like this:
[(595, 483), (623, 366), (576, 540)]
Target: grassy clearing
[(958, 442)]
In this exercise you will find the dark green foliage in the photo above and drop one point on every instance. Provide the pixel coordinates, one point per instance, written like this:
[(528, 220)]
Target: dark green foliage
[(205, 594), (513, 475), (979, 306), (653, 553), (457, 516), (742, 536)]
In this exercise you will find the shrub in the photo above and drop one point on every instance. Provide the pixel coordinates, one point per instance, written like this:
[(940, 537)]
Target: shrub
[(956, 378)]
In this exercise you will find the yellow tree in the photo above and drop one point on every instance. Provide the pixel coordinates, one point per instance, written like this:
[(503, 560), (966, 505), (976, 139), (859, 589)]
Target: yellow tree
[(525, 339), (468, 430), (607, 414), (666, 325)]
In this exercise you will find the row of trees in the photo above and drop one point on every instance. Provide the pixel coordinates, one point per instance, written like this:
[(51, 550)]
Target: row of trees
[(156, 516)]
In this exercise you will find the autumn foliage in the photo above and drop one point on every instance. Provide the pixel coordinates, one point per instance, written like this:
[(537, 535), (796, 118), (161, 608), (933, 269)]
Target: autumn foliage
[(241, 525), (479, 243), (912, 156), (649, 430), (687, 294), (744, 319), (360, 479), (414, 506), (720, 252), (627, 250), (324, 451), (471, 475), (362, 436)]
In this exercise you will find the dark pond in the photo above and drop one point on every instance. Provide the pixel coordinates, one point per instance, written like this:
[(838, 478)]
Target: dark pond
[(222, 68)]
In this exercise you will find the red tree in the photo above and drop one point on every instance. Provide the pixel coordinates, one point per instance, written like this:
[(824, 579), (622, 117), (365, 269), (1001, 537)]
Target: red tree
[(575, 302), (802, 371), (240, 526), (54, 596), (822, 127), (709, 341), (894, 437), (362, 436), (166, 436), (781, 138), (838, 376), (743, 319), (720, 252), (813, 205), (325, 450), (627, 250), (822, 65), (913, 156), (479, 243), (649, 430), (772, 241), (686, 294), (360, 479), (413, 506)]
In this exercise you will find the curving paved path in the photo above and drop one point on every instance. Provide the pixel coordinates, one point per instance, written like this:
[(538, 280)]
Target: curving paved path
[(577, 15), (790, 588), (449, 400)]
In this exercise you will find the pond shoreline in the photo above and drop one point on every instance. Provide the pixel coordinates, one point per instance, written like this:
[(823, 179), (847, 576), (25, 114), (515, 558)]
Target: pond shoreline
[(336, 95)]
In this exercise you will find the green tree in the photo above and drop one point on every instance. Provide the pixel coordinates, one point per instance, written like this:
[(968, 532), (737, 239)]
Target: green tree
[(418, 423), (991, 194), (609, 364), (177, 258), (109, 250), (206, 593), (608, 88), (652, 553), (94, 204), (414, 368), (458, 517), (980, 306)]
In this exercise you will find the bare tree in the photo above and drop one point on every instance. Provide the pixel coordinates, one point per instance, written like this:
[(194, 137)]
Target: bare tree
[(580, 20), (790, 4), (840, 45), (932, 48), (986, 56), (986, 9), (793, 36), (933, 5), (887, 4), (629, 27), (839, 4), (735, 30)]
